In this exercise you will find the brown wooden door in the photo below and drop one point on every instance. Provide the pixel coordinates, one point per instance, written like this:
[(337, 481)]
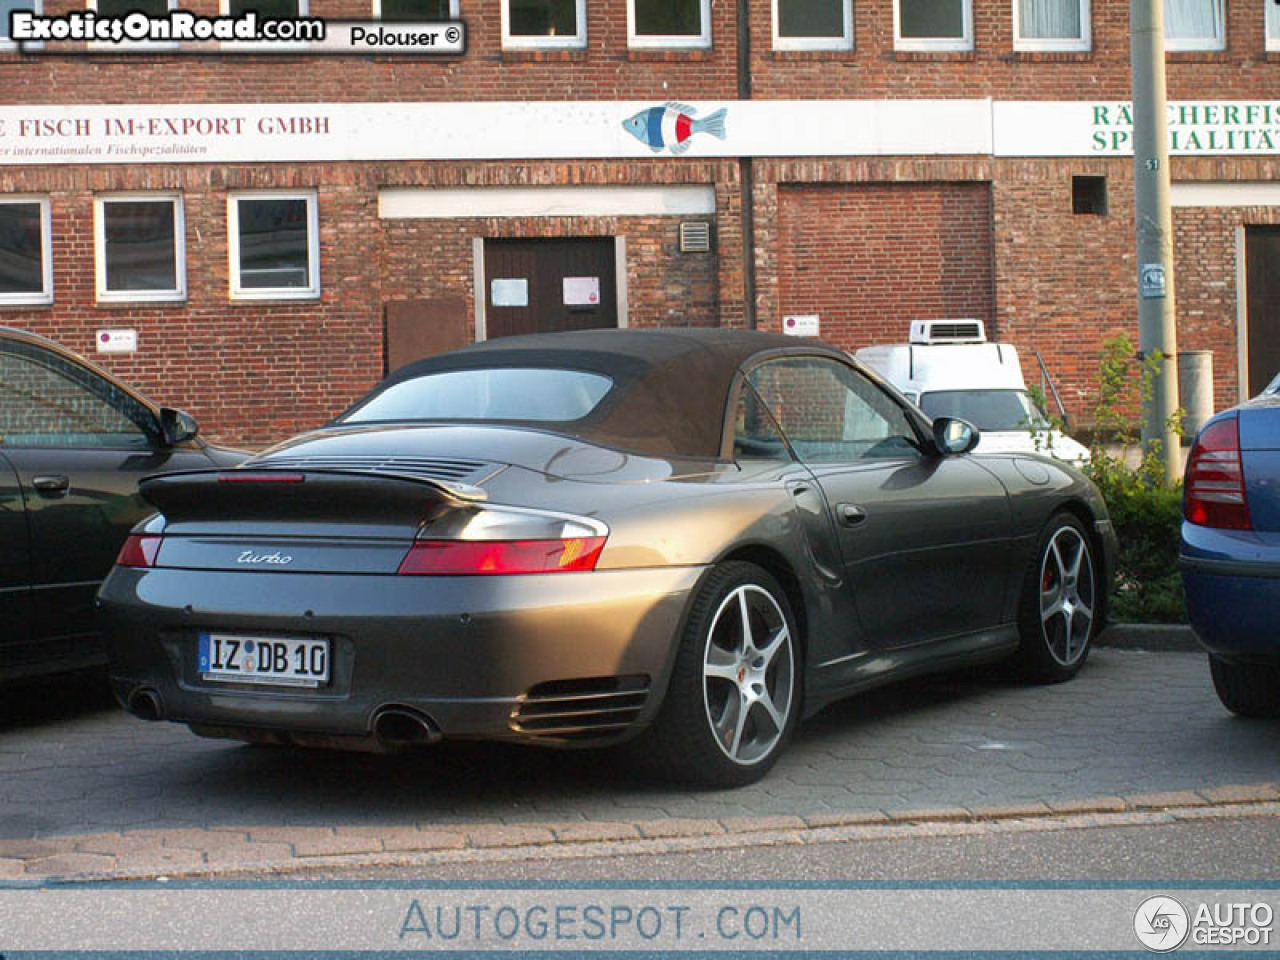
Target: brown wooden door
[(545, 286), (414, 329), (1262, 273)]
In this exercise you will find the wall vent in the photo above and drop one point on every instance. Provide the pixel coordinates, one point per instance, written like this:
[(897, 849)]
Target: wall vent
[(695, 236)]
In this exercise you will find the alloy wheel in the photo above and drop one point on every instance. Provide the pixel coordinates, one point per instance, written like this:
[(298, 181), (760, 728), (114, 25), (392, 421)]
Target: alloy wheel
[(1067, 595), (748, 674)]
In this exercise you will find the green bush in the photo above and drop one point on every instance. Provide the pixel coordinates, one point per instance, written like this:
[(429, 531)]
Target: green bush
[(1147, 514)]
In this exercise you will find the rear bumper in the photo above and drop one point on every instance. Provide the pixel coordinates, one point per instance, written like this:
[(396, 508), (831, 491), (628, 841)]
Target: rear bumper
[(1232, 584), (464, 651)]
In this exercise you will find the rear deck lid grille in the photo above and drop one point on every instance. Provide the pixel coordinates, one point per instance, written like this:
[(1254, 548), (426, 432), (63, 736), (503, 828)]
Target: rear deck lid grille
[(451, 469)]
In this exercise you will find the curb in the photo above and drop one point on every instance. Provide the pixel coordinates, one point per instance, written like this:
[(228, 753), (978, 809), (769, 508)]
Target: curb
[(230, 851), (1154, 637)]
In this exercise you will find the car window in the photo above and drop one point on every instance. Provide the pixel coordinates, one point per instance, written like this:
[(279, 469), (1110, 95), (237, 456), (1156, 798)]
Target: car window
[(48, 401), (755, 435), (831, 412), (988, 410), (499, 393)]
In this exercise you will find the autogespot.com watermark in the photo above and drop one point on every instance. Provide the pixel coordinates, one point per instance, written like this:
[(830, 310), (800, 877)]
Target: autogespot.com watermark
[(654, 923), (340, 919), (1162, 924), (180, 31)]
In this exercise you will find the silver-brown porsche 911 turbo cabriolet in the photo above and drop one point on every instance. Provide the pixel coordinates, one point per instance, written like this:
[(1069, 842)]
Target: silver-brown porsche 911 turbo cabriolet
[(690, 537)]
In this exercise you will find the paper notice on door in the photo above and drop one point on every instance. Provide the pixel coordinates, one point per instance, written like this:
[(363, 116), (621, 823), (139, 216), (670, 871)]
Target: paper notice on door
[(581, 291), (509, 292)]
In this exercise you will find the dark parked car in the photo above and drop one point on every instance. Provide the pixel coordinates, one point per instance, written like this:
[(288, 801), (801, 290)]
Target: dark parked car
[(73, 445), (1231, 551), (692, 536)]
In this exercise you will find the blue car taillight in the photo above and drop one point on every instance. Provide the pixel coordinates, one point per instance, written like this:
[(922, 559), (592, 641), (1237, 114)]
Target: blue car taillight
[(1215, 492)]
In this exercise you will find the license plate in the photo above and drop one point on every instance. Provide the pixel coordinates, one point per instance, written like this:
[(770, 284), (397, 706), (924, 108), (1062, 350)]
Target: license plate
[(282, 661)]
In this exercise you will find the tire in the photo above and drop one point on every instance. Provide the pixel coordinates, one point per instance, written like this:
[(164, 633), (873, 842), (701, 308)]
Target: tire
[(1247, 689), (1059, 603), (702, 734)]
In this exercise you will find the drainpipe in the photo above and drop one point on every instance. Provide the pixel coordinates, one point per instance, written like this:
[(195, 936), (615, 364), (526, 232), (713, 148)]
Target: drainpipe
[(746, 174)]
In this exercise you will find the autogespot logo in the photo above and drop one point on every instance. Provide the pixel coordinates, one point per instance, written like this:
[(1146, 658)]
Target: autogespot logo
[(1161, 924)]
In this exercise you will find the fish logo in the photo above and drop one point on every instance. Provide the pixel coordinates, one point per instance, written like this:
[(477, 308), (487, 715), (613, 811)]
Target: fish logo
[(672, 126)]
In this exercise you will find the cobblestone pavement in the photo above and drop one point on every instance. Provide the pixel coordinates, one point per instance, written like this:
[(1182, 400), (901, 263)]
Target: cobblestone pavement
[(85, 789)]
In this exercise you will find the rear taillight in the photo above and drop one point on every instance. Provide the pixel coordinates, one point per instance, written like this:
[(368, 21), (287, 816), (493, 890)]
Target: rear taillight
[(1215, 495), (139, 551), (480, 557)]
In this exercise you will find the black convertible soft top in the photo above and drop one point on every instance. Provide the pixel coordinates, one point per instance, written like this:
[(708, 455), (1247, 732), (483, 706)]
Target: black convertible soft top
[(670, 385)]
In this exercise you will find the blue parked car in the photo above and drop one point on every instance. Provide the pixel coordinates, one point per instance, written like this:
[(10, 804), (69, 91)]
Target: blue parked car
[(1230, 553)]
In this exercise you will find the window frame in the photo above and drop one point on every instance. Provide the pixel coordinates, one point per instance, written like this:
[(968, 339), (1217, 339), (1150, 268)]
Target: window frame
[(236, 291), (376, 9), (176, 295), (133, 45), (637, 41), (577, 42), (915, 420), (45, 296), (103, 389), (1201, 44), (962, 44), (248, 46), (845, 42), (9, 45), (1081, 44), (1271, 27)]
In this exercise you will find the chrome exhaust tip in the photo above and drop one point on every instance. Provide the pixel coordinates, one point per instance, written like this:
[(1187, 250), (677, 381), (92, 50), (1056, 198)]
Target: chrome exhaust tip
[(396, 727), (144, 703)]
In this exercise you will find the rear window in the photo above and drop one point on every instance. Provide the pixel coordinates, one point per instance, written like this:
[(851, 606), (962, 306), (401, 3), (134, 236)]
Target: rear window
[(506, 393)]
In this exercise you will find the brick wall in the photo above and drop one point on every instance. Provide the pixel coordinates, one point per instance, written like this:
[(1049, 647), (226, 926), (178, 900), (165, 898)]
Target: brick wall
[(1205, 248), (255, 372), (607, 69), (912, 236), (870, 258)]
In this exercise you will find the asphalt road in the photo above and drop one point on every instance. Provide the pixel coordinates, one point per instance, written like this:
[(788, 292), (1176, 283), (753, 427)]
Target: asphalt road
[(1235, 849)]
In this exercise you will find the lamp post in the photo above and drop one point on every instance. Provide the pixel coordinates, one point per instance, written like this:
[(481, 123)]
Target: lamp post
[(1157, 328)]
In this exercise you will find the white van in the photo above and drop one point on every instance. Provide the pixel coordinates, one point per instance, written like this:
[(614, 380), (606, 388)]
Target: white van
[(950, 370)]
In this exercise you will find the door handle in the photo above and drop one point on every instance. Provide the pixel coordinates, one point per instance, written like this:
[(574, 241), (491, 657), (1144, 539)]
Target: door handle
[(850, 514), (51, 486)]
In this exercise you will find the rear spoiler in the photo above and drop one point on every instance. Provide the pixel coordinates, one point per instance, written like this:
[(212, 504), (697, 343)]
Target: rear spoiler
[(267, 493)]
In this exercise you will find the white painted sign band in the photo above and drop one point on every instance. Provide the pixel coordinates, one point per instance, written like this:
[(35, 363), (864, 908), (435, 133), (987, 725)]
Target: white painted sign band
[(300, 133)]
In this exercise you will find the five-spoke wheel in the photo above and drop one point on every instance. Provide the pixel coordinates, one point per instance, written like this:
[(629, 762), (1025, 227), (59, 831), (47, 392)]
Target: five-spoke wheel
[(749, 674), (1059, 602), (735, 689)]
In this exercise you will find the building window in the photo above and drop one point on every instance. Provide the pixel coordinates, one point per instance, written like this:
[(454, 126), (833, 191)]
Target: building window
[(268, 9), (1051, 24), (544, 23), (10, 6), (427, 10), (933, 24), (274, 9), (1195, 25), (139, 247), (122, 8), (1273, 25), (26, 253), (274, 246), (1089, 195), (669, 23), (813, 24)]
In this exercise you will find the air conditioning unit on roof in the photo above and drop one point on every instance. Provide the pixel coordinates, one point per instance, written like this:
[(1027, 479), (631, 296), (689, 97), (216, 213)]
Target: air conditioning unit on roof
[(947, 331)]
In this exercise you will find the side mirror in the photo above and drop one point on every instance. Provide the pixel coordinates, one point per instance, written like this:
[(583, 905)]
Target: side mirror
[(952, 436), (177, 426)]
